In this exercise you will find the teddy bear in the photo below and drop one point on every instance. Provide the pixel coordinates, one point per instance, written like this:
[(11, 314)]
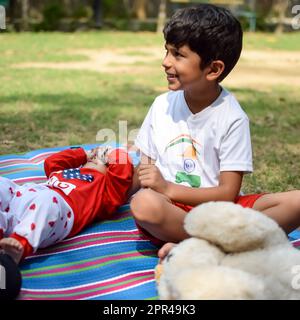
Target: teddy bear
[(233, 253)]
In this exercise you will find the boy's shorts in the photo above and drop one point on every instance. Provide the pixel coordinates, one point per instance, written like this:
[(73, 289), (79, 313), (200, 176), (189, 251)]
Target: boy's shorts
[(245, 201)]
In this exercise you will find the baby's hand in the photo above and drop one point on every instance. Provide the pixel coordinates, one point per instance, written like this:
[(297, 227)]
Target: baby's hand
[(91, 154), (102, 153), (99, 154)]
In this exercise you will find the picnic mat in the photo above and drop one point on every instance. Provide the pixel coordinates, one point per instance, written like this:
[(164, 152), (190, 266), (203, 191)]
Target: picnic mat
[(109, 260)]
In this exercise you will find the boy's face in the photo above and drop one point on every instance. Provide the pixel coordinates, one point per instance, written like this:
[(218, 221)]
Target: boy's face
[(182, 67)]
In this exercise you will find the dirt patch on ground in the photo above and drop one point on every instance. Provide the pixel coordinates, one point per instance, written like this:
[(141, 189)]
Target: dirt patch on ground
[(262, 69), (256, 69), (108, 61)]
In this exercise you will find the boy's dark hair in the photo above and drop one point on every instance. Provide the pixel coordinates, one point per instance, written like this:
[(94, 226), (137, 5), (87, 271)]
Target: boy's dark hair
[(210, 31)]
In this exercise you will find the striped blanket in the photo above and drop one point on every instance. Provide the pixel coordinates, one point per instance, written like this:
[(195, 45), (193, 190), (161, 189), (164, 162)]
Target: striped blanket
[(108, 260)]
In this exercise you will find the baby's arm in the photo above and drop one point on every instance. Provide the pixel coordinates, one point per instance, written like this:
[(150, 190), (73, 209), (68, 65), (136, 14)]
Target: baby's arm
[(70, 158)]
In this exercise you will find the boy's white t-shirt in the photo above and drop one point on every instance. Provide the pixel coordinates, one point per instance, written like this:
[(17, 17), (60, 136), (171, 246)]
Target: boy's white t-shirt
[(192, 149)]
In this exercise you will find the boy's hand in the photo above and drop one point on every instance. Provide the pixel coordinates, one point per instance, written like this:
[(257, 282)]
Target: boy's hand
[(150, 177)]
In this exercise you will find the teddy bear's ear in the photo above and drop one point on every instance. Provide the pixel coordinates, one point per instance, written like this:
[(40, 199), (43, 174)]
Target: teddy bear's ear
[(232, 227)]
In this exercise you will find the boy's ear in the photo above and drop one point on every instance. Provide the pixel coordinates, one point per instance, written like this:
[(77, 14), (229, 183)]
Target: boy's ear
[(216, 68)]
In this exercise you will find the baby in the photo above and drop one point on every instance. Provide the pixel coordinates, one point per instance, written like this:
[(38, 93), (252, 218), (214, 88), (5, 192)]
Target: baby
[(82, 187)]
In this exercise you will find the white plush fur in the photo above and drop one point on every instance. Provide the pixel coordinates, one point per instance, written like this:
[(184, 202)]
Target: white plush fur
[(233, 253)]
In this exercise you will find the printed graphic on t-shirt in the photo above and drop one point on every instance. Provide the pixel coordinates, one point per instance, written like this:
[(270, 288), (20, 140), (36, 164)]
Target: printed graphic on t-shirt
[(193, 180), (65, 187), (182, 152)]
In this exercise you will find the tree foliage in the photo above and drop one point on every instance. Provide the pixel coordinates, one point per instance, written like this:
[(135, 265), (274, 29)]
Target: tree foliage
[(49, 14)]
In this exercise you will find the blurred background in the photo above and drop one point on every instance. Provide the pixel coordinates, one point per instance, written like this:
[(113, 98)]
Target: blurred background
[(135, 15), (71, 68)]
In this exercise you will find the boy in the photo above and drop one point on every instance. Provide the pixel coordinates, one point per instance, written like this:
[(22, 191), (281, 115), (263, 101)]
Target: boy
[(195, 140), (82, 187)]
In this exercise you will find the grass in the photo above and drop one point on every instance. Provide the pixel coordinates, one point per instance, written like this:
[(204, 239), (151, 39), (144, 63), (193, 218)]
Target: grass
[(45, 107), (263, 41)]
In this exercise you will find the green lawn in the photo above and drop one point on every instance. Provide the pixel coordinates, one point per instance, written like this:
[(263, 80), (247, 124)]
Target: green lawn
[(42, 108)]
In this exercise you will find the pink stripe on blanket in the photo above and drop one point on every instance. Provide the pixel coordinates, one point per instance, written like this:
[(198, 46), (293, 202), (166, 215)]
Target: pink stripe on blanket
[(88, 264), (97, 289)]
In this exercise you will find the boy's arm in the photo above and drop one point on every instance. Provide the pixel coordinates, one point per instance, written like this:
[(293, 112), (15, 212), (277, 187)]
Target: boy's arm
[(227, 190), (71, 158)]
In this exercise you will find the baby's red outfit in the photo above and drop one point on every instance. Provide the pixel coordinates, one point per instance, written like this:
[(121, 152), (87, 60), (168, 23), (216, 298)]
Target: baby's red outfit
[(90, 200), (97, 199)]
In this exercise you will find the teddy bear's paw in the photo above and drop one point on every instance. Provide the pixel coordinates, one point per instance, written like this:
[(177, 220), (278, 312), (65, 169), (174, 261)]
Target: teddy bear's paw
[(232, 227), (213, 283), (279, 266)]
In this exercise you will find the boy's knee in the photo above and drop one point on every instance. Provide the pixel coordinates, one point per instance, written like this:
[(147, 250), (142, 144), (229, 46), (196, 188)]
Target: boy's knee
[(146, 206), (295, 199), (292, 201)]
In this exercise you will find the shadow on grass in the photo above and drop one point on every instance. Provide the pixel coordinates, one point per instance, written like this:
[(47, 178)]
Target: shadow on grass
[(46, 120)]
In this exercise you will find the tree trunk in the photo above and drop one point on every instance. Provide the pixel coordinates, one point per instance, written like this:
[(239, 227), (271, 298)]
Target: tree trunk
[(252, 5), (281, 7), (12, 11), (162, 16), (140, 9), (25, 9), (128, 8), (98, 13)]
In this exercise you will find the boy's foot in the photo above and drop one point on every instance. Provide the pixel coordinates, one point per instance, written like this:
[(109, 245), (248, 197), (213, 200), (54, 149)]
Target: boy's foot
[(162, 253), (13, 248), (164, 250)]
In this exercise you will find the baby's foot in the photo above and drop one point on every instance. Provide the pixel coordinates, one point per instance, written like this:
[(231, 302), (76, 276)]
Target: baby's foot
[(13, 248)]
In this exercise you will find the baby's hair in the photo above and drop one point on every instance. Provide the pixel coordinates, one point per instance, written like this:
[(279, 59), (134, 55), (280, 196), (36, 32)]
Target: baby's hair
[(210, 31)]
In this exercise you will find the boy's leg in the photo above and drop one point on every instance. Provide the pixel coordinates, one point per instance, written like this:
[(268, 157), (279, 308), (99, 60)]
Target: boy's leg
[(283, 207), (156, 214)]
